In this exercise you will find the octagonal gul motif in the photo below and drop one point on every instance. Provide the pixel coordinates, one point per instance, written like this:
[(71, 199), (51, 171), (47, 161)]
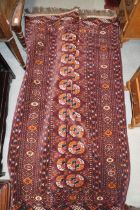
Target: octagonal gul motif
[(76, 131), (75, 164), (76, 147), (69, 37), (75, 180)]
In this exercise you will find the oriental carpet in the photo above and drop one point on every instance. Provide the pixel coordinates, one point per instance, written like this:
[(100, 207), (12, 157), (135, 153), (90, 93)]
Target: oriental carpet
[(69, 148)]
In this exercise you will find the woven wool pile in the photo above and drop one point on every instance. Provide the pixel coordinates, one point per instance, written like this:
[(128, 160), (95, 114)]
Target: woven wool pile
[(69, 147)]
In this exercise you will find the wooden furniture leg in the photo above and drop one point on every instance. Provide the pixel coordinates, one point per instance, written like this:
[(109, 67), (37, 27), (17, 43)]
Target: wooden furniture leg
[(16, 22), (13, 47), (125, 88), (133, 86), (5, 194), (20, 36), (9, 39)]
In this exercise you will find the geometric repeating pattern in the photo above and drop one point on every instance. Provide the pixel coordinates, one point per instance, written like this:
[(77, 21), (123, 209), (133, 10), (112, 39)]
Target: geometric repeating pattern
[(70, 104), (68, 148)]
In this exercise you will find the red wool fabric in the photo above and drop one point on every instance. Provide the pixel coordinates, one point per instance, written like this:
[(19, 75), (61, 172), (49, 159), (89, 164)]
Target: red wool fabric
[(69, 148)]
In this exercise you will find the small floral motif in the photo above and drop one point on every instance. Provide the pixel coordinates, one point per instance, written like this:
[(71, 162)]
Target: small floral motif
[(103, 48), (104, 76), (107, 120), (28, 167), (109, 160), (103, 32), (34, 103), (104, 66), (112, 172), (38, 198), (106, 108), (72, 197), (32, 128), (40, 44), (28, 181), (31, 140), (105, 86), (108, 132), (30, 153), (100, 198), (26, 188), (39, 62), (112, 185), (37, 82), (108, 147), (36, 92), (105, 97)]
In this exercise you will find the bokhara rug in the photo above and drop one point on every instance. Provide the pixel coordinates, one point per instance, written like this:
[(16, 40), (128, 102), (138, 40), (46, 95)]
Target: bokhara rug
[(69, 148)]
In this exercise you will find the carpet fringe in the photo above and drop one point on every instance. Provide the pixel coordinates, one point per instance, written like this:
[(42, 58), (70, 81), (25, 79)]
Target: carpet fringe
[(41, 11)]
